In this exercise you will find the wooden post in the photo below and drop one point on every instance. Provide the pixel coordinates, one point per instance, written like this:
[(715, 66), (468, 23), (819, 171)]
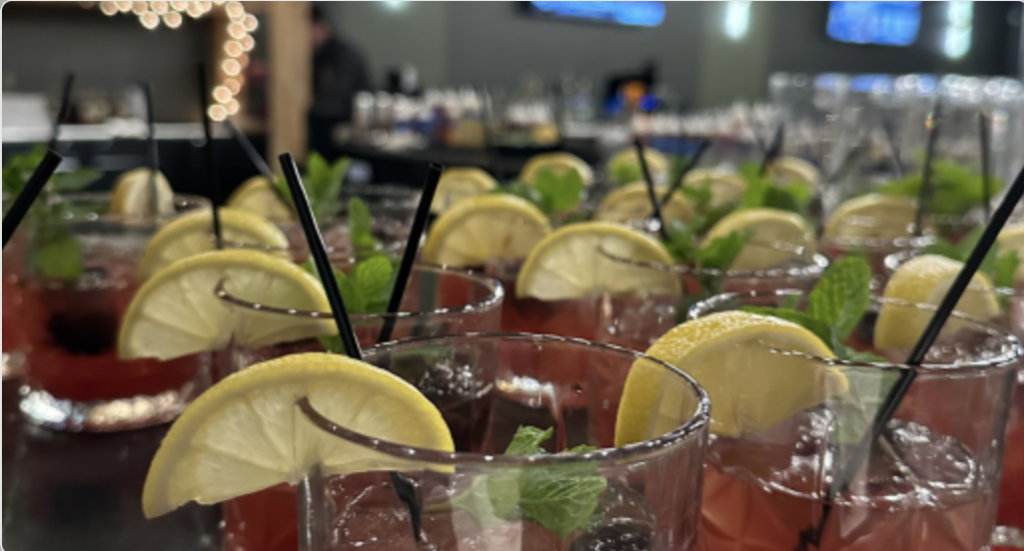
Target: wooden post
[(290, 86)]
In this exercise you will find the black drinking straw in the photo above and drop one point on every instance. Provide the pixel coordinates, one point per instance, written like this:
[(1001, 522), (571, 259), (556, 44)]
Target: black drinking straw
[(983, 139), (211, 162), (894, 148), (892, 401), (65, 108), (638, 144), (690, 165), (774, 149), (154, 153), (924, 193), (28, 195), (319, 252), (255, 158), (419, 224)]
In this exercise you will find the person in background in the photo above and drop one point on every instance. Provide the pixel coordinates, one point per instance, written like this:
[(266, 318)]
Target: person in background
[(339, 72)]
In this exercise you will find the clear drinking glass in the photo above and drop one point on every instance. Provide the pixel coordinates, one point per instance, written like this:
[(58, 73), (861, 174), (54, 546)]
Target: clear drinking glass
[(71, 315), (932, 478), (568, 318), (647, 494), (13, 273), (636, 321)]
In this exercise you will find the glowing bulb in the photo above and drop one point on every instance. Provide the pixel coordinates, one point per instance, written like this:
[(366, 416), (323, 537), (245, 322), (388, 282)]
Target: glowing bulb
[(231, 106), (236, 30), (248, 43), (217, 112), (231, 67), (222, 94), (150, 20), (250, 22), (243, 60), (233, 48), (109, 8), (124, 7), (172, 19), (158, 8), (194, 9), (234, 10), (179, 6), (233, 85), (737, 19), (207, 6), (139, 8)]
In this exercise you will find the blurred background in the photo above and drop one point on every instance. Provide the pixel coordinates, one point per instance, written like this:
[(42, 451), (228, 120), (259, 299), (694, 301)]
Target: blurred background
[(395, 83)]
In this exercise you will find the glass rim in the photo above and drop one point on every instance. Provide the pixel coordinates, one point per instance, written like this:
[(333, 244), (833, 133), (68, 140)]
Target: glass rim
[(492, 301), (816, 264), (1011, 355), (92, 215), (893, 261), (700, 419), (875, 243)]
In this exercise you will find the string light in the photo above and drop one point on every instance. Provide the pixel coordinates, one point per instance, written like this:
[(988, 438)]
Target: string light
[(240, 25)]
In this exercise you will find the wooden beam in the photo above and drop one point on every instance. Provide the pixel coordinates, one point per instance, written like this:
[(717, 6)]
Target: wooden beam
[(290, 84)]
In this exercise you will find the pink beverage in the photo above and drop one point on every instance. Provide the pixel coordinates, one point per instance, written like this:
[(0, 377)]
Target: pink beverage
[(566, 318), (931, 480), (73, 377), (1011, 490), (437, 301), (648, 493), (13, 303)]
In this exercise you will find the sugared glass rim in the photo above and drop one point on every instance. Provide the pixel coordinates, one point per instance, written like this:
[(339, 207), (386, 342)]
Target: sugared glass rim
[(182, 203), (1011, 354), (490, 302), (816, 265), (893, 261), (698, 421)]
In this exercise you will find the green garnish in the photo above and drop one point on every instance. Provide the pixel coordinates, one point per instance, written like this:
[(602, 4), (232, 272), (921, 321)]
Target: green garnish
[(559, 497), (57, 254), (955, 190), (322, 182), (365, 290), (551, 193), (998, 266), (762, 192)]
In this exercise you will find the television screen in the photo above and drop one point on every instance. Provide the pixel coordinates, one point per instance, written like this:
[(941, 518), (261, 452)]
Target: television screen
[(640, 13), (885, 23)]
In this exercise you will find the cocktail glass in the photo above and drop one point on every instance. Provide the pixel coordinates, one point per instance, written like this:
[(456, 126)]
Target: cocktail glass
[(568, 318), (641, 496), (73, 378), (636, 321), (931, 480), (438, 301)]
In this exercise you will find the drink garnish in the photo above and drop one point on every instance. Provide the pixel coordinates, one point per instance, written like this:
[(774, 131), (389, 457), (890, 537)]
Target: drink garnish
[(955, 189), (999, 265), (550, 191), (483, 228), (762, 191), (360, 229), (561, 498), (322, 182)]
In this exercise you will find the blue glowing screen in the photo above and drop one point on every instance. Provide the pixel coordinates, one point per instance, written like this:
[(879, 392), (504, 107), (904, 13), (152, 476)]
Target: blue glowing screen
[(885, 23), (637, 12)]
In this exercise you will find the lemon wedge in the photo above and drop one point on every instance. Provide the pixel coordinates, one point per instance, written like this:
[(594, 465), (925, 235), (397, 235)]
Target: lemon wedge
[(777, 237), (926, 279), (571, 263), (788, 170), (725, 187), (559, 163), (461, 183), (632, 202), (176, 312), (246, 433), (482, 228), (731, 355), (873, 216), (256, 195), (133, 194), (624, 166)]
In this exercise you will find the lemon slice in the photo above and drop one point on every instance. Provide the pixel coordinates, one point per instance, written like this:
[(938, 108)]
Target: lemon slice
[(176, 313), (560, 163), (633, 203), (246, 433), (256, 195), (730, 355), (873, 216), (133, 194), (460, 183), (485, 227), (725, 187), (624, 166), (777, 237), (1012, 239), (788, 170), (570, 264), (192, 234), (925, 279)]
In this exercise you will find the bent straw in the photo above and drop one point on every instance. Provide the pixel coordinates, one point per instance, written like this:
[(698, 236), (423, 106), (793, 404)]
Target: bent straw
[(419, 224), (690, 165), (211, 162), (255, 158), (28, 195), (319, 253), (65, 108), (931, 333), (924, 193), (638, 144)]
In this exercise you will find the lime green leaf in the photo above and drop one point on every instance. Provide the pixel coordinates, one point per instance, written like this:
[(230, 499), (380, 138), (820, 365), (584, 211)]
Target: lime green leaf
[(1006, 267), (803, 319), (64, 182), (60, 257), (524, 191), (842, 295), (372, 279), (560, 502), (360, 224), (682, 242), (528, 441), (944, 248), (559, 193), (722, 251)]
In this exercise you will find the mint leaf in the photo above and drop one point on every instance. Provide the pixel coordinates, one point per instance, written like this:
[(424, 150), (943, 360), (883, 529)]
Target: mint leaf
[(372, 280), (523, 191), (791, 198), (65, 182), (1005, 268), (955, 189), (59, 257), (842, 295), (560, 192), (558, 498), (803, 319), (322, 182), (360, 225), (944, 248), (528, 440), (682, 242), (722, 251)]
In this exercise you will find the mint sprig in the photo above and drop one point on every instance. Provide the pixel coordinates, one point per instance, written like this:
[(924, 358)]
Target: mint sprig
[(763, 192), (559, 497), (360, 230), (322, 182), (551, 192), (955, 189), (365, 290)]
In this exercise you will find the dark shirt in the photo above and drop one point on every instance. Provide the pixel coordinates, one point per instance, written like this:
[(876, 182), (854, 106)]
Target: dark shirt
[(339, 71)]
